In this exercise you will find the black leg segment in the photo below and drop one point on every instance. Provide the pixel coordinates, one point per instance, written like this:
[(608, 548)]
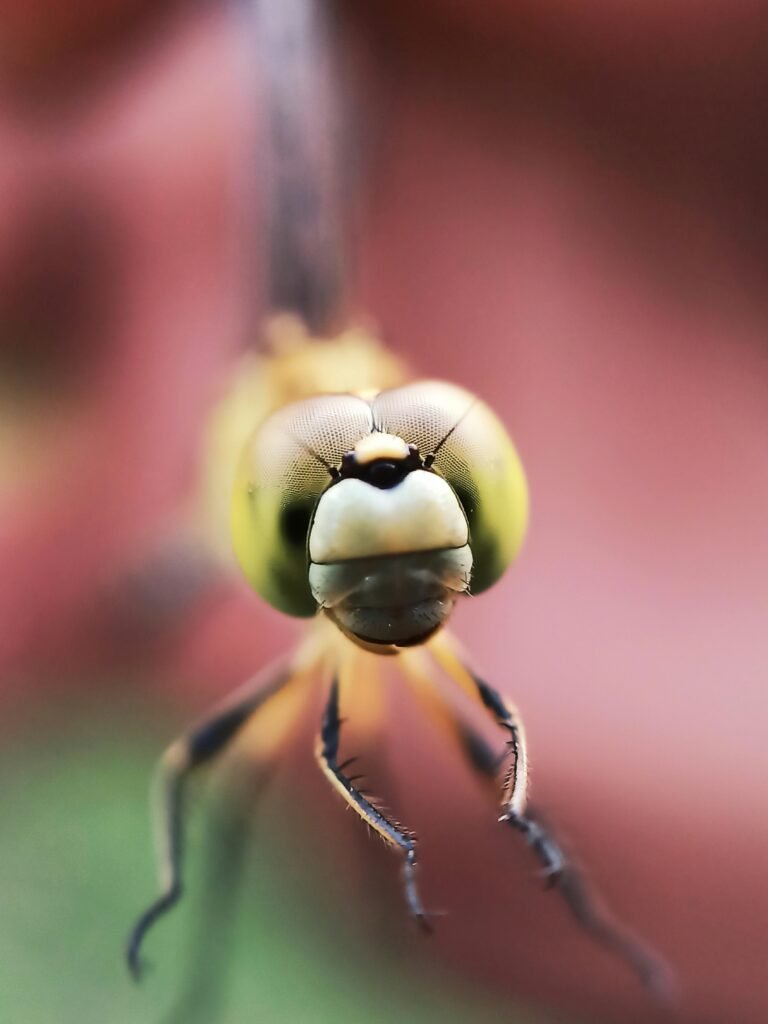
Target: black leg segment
[(392, 833), (176, 765), (560, 872)]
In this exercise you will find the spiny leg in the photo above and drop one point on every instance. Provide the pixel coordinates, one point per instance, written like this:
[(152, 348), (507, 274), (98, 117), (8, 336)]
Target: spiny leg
[(189, 752), (515, 785), (514, 794), (584, 904), (393, 834)]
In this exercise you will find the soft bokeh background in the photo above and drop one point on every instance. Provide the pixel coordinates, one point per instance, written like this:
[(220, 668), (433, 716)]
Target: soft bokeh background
[(566, 211)]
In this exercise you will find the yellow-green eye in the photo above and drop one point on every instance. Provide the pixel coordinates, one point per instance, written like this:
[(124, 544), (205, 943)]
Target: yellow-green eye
[(474, 453), (283, 471), (380, 511)]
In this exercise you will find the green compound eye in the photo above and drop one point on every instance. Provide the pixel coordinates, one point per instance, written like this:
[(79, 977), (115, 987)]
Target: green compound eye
[(283, 471), (298, 453), (474, 454), (295, 520)]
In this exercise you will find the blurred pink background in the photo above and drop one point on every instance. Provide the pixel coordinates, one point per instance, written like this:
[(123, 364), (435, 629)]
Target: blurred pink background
[(565, 211)]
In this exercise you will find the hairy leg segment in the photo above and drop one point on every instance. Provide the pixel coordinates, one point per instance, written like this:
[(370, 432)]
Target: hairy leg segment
[(397, 837), (560, 873)]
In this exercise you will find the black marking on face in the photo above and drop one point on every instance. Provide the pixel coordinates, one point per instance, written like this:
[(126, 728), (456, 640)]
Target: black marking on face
[(381, 473)]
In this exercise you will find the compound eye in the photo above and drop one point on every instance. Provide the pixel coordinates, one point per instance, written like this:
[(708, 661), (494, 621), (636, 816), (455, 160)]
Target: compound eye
[(286, 466), (460, 438), (295, 521)]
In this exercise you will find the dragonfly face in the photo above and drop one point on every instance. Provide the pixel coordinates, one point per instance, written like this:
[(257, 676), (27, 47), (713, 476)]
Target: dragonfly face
[(389, 545), (379, 511)]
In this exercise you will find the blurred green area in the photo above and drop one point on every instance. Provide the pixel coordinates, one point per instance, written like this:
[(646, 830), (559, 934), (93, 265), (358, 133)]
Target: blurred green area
[(75, 868)]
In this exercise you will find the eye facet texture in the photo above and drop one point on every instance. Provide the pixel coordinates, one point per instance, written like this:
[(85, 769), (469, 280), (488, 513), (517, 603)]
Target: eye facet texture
[(286, 468), (474, 453), (282, 473)]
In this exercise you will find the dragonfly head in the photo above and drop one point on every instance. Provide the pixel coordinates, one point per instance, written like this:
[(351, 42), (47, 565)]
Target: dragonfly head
[(379, 510)]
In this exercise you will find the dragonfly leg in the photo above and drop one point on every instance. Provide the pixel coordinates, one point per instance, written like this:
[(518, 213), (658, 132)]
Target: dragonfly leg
[(176, 765), (397, 837), (561, 873)]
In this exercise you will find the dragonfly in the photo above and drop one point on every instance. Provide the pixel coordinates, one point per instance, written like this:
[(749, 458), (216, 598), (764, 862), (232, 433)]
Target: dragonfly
[(372, 513), (369, 504)]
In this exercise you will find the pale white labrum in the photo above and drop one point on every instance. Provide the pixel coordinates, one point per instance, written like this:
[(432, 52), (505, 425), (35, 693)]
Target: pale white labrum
[(355, 520)]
